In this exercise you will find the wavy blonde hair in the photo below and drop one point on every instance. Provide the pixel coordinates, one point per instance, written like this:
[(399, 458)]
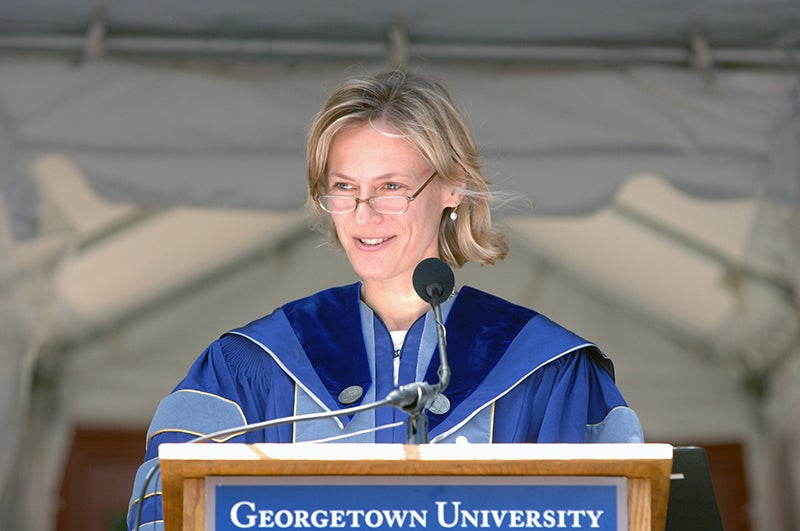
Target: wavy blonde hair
[(421, 111)]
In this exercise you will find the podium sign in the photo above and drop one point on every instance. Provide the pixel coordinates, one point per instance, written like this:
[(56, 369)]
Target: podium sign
[(421, 503), (224, 487)]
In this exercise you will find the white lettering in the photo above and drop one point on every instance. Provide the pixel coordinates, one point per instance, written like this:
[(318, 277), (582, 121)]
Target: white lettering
[(337, 518), (440, 506), (397, 518), (373, 519), (595, 516), (515, 518), (301, 518), (498, 517), (283, 518), (450, 514), (549, 518), (418, 517), (532, 519), (319, 518), (251, 518), (469, 517), (266, 518), (355, 517), (576, 520)]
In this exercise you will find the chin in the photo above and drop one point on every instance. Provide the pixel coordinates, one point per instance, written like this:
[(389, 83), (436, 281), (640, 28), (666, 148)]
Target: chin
[(368, 273), (378, 271), (368, 269)]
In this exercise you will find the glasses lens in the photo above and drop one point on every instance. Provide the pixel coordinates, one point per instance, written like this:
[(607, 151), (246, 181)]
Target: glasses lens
[(337, 204), (389, 204)]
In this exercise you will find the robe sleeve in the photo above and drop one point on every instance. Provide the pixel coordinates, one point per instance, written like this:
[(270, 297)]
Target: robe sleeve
[(228, 386), (569, 400)]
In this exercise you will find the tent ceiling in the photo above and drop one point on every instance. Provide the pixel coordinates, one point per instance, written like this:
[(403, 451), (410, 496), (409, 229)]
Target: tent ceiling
[(183, 119), (574, 22), (233, 136)]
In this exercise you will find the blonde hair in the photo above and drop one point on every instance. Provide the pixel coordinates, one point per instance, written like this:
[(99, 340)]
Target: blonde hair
[(420, 110)]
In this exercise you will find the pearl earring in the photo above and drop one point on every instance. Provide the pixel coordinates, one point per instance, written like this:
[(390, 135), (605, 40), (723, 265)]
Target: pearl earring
[(453, 214)]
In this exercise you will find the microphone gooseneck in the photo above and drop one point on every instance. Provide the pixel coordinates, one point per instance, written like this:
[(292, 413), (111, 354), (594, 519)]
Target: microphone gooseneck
[(434, 282)]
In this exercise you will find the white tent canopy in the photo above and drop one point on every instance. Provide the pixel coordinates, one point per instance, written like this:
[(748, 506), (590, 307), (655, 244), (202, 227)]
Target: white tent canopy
[(233, 137), (152, 176), (174, 118)]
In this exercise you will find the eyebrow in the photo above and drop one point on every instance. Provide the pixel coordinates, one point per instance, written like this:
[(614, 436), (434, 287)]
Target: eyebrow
[(382, 177)]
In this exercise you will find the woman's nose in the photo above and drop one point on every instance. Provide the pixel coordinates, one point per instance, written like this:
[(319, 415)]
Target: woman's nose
[(364, 212)]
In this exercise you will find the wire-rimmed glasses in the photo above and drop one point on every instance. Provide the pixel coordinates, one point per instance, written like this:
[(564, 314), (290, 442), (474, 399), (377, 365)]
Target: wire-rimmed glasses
[(382, 204)]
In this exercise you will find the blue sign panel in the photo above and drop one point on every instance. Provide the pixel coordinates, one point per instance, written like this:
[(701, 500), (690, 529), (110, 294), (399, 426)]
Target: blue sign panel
[(435, 504)]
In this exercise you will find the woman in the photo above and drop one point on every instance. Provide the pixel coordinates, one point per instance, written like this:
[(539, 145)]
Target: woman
[(393, 170)]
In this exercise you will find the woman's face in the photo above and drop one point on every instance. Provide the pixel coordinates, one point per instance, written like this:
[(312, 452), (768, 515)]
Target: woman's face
[(363, 162)]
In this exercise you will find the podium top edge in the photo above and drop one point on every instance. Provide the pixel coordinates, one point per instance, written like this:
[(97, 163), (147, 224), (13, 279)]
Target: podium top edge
[(426, 452)]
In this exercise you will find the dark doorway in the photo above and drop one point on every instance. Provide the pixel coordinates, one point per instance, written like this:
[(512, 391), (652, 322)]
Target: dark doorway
[(726, 462), (98, 479)]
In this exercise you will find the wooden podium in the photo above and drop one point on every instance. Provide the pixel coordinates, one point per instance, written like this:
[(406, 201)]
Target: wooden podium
[(185, 469)]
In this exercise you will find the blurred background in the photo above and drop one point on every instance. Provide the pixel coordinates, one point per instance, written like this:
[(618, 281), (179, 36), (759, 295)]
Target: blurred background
[(152, 190)]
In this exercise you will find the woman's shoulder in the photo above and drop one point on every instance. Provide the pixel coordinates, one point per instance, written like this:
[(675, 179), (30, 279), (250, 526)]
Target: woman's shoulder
[(528, 327), (239, 354), (468, 295), (496, 308)]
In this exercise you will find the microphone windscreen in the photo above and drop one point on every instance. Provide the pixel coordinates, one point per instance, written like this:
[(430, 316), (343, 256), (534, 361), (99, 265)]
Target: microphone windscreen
[(433, 279)]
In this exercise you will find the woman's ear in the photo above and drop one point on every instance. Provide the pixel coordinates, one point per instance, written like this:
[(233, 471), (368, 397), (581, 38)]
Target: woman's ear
[(454, 196), (452, 189), (454, 199)]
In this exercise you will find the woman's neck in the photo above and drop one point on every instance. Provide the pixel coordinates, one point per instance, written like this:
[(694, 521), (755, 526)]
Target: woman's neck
[(397, 306)]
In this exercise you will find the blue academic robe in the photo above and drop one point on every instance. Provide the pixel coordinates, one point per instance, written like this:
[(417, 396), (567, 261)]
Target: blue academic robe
[(517, 377)]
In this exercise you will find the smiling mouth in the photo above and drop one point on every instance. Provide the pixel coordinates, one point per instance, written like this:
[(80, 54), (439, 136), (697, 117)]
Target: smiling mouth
[(372, 241)]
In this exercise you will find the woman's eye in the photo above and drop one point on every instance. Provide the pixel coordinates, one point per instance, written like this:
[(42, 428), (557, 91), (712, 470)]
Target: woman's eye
[(342, 187), (393, 187)]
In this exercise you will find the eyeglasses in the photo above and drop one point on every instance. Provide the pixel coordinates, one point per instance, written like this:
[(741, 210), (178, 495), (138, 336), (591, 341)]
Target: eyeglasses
[(382, 204)]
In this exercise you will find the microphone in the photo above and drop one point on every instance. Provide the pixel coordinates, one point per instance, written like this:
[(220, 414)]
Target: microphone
[(433, 281)]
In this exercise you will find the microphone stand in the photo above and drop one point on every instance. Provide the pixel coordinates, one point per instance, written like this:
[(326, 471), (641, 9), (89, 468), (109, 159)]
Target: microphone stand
[(417, 397), (433, 281)]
